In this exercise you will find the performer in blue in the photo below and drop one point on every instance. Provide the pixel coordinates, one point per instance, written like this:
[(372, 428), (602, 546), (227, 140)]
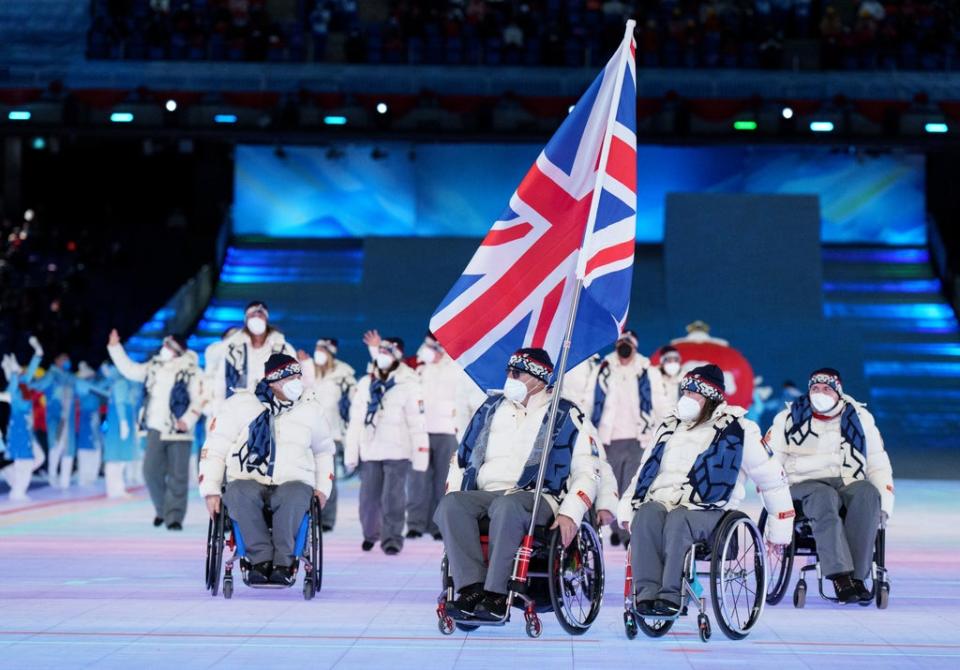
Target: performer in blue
[(119, 438), (90, 398), (59, 387), (20, 426)]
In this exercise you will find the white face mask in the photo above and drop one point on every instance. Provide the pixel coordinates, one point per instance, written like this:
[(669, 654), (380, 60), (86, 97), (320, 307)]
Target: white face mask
[(671, 368), (293, 389), (256, 325), (688, 409), (385, 361), (320, 357), (515, 390), (822, 402), (426, 355), (165, 354)]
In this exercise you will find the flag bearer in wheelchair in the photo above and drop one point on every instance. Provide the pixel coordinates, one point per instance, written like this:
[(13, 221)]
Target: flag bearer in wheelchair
[(277, 452), (695, 472), (498, 462), (834, 459)]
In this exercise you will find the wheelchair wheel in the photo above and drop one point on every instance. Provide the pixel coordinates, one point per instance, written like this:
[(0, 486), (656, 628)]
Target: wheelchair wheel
[(576, 579), (655, 627), (215, 540), (315, 576), (779, 567), (737, 575)]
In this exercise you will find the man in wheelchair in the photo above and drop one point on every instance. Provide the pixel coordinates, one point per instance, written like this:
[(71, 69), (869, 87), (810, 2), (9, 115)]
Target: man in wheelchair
[(277, 453), (835, 461), (498, 461), (695, 472)]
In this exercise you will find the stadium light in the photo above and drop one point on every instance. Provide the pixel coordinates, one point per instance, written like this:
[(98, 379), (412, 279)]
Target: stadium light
[(121, 117), (335, 120), (225, 118), (936, 128), (821, 126), (171, 105), (19, 115), (744, 125), (382, 108), (569, 109), (39, 143), (787, 113)]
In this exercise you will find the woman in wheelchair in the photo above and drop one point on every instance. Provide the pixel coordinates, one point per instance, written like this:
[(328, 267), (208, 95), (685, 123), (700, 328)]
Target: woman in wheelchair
[(498, 461), (695, 472), (277, 453), (841, 477)]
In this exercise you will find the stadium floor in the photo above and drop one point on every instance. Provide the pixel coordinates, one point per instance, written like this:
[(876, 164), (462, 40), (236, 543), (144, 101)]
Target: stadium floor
[(88, 582)]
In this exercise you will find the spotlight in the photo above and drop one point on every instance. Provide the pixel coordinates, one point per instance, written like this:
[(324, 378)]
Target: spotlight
[(821, 126), (225, 118), (171, 105), (744, 125), (18, 115), (936, 128), (569, 109), (335, 120), (382, 108), (121, 117), (787, 113), (28, 215), (39, 143)]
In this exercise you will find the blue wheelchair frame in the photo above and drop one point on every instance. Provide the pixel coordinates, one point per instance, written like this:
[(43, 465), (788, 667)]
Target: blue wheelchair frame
[(298, 547)]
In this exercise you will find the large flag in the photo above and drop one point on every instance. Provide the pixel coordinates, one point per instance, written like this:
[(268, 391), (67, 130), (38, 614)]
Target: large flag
[(573, 216)]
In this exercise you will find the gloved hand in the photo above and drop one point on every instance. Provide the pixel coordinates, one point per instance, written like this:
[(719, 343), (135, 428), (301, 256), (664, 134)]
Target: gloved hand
[(10, 365), (124, 429), (35, 345)]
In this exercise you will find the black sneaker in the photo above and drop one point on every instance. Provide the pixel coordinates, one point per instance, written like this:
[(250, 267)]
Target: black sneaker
[(665, 608), (863, 593), (391, 550), (283, 574), (157, 522), (260, 573), (646, 607), (367, 545), (614, 540), (438, 537), (493, 607), (176, 525), (846, 590), (466, 601), (414, 534)]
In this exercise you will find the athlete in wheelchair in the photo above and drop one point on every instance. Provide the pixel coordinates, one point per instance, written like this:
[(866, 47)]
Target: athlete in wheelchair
[(485, 517), (681, 507), (277, 452), (841, 481)]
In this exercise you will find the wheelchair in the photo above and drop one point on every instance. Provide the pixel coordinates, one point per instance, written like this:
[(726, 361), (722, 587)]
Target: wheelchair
[(566, 581), (737, 574), (803, 545), (225, 532)]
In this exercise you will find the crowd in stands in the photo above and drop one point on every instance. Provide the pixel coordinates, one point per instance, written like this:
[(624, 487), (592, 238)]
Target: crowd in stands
[(770, 34)]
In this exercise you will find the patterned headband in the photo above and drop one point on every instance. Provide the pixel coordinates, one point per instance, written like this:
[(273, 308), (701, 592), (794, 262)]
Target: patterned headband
[(833, 381), (169, 341), (631, 338), (328, 345), (285, 370), (700, 385), (391, 348), (537, 369), (257, 308)]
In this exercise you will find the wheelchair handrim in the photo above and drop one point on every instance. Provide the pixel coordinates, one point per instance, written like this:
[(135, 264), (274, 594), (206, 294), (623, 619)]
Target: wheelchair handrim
[(577, 601), (740, 584)]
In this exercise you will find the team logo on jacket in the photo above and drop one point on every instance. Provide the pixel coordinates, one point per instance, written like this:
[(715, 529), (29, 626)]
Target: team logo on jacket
[(766, 443)]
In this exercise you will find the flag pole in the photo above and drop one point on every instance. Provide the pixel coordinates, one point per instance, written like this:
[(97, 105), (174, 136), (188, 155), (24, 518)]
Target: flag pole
[(522, 559)]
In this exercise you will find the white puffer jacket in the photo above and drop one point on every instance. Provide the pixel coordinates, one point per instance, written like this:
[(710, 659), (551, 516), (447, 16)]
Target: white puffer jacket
[(328, 389), (158, 378), (237, 349), (440, 382), (822, 454), (304, 446), (672, 487), (580, 383), (621, 418), (513, 432), (398, 430)]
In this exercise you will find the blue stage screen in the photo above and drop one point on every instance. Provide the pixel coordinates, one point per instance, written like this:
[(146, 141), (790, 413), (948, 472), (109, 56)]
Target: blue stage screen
[(431, 190)]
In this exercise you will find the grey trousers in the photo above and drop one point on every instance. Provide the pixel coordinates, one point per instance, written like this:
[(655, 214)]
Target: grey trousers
[(424, 489), (383, 501), (287, 502), (457, 517), (843, 546), (624, 458), (328, 517), (659, 541), (166, 471)]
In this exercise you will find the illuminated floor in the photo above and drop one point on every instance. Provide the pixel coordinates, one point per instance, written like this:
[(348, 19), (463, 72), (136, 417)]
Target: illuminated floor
[(89, 583)]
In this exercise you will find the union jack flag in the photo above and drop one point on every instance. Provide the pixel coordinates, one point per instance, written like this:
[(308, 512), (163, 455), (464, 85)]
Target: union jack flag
[(573, 216)]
